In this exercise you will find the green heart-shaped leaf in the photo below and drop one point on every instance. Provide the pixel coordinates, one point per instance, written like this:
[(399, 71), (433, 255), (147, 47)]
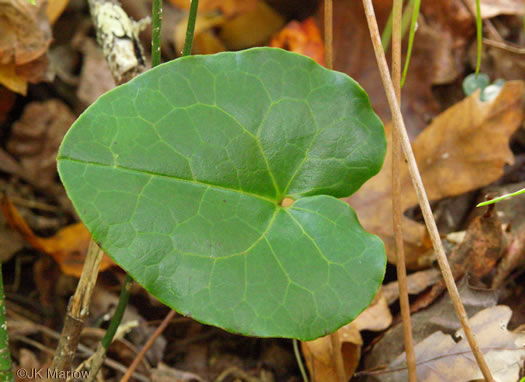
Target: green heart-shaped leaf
[(180, 174)]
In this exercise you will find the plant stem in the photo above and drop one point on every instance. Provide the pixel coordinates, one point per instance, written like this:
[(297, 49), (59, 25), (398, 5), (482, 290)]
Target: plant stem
[(337, 356), (155, 37), (387, 31), (412, 33), (148, 345), (500, 198), (190, 29), (6, 369), (420, 190), (77, 311), (479, 36), (328, 33), (299, 360), (102, 348), (397, 212)]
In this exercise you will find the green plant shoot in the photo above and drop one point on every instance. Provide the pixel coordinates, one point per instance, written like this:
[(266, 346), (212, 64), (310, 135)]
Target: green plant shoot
[(498, 199)]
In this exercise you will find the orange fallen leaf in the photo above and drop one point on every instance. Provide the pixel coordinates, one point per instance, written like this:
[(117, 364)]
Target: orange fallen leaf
[(301, 37), (463, 149), (319, 353), (11, 80), (68, 246)]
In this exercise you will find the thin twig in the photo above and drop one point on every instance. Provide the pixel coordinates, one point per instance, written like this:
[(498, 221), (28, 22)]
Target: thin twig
[(337, 356), (100, 355), (77, 311), (147, 346), (329, 33), (420, 190), (397, 212)]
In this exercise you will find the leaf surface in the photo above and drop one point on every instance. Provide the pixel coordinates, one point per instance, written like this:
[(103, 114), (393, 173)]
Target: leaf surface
[(179, 175)]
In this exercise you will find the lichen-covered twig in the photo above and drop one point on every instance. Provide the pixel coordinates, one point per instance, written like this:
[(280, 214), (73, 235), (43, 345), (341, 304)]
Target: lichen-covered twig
[(117, 34)]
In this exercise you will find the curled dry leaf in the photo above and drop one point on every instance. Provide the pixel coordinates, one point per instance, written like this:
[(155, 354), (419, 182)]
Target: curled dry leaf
[(26, 35), (440, 316), (416, 283), (441, 359), (68, 246), (319, 353), (35, 139), (463, 149), (301, 37), (482, 246)]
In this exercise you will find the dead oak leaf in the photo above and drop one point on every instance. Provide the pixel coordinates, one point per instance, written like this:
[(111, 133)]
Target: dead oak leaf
[(463, 149), (441, 359)]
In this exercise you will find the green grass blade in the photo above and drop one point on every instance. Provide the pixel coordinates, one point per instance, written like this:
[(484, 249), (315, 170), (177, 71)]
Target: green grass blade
[(479, 31), (495, 200), (415, 14), (386, 37)]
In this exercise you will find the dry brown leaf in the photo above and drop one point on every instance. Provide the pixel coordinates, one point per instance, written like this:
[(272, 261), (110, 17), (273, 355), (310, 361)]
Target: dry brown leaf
[(301, 37), (319, 353), (416, 283), (26, 35), (492, 8), (35, 139), (252, 28), (440, 316), (68, 246), (440, 359), (464, 148), (482, 246)]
